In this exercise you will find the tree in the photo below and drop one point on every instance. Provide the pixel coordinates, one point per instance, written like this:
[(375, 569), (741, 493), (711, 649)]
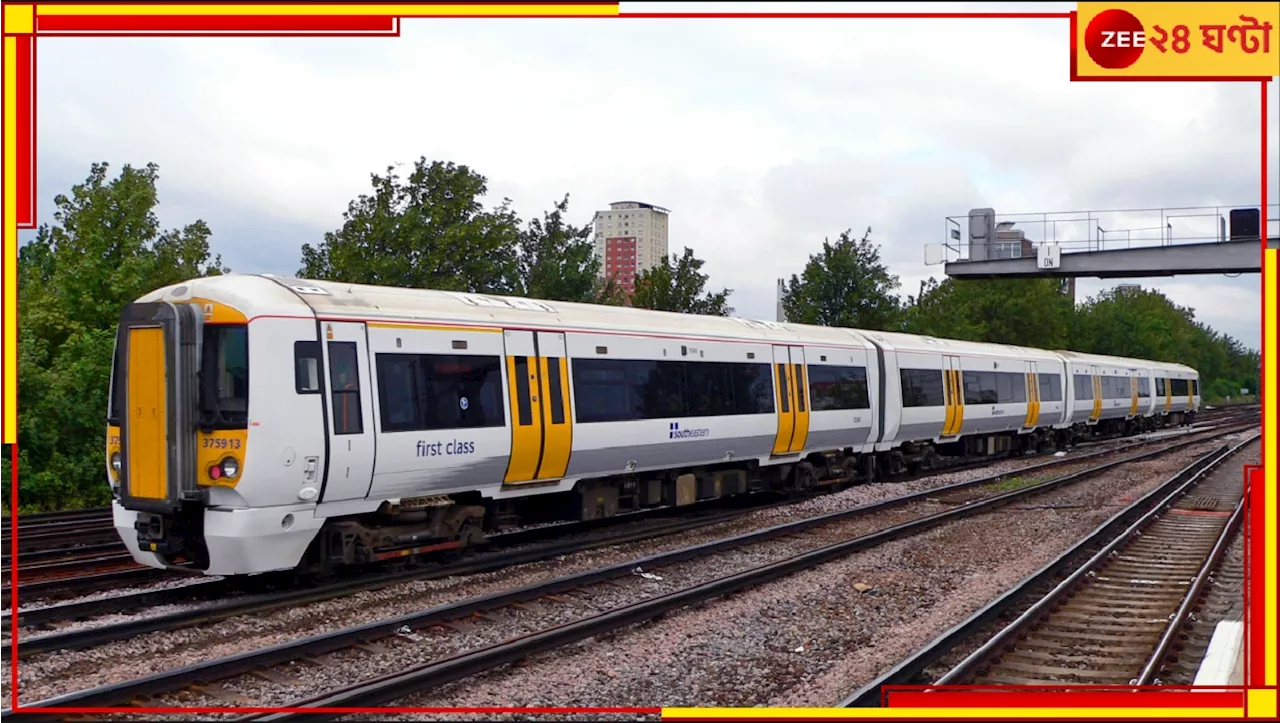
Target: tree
[(1148, 325), (1025, 312), (428, 230), (677, 284), (845, 284), (104, 250), (557, 261)]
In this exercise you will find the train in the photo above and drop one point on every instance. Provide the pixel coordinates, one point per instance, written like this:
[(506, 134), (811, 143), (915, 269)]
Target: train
[(263, 424)]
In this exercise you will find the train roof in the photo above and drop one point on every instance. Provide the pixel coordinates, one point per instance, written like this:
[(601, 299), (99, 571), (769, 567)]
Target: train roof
[(930, 344), (362, 301), (1130, 362), (267, 295)]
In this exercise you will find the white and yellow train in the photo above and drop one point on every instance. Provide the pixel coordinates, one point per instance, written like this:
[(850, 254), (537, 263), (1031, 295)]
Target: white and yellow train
[(260, 423)]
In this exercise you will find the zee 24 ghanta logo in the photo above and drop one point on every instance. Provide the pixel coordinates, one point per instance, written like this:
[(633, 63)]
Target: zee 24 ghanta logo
[(1115, 38)]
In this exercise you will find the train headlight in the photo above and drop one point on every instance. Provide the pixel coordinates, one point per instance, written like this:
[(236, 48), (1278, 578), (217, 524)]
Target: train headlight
[(230, 468), (115, 462)]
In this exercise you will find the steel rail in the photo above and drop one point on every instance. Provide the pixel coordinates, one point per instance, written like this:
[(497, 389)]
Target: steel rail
[(969, 665), (1118, 527), (88, 637), (229, 666), (1192, 598)]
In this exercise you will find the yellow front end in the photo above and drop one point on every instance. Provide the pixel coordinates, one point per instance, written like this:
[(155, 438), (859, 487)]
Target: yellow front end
[(177, 425)]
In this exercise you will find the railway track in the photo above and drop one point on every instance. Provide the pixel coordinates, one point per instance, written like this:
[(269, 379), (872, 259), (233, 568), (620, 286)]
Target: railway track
[(68, 572), (785, 549), (1118, 617), (233, 601), (1114, 620)]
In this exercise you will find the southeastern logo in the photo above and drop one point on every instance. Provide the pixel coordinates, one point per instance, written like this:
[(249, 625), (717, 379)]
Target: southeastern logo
[(677, 433)]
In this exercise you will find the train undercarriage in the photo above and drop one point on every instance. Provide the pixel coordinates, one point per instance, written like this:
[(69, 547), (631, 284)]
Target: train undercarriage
[(426, 528)]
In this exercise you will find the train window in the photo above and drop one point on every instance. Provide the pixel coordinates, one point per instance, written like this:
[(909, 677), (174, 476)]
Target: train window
[(1083, 387), (658, 388), (616, 390), (224, 378), (922, 388), (1144, 387), (602, 391), (800, 388), (344, 382), (556, 391), (1050, 388), (784, 388), (439, 391), (980, 388), (710, 387), (832, 388), (524, 406), (752, 389), (461, 391), (398, 391), (1192, 382), (113, 400), (306, 367), (1179, 387), (1011, 388), (1161, 386)]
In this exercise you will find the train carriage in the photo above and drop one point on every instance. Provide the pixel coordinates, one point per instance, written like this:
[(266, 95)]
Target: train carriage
[(259, 423), (1177, 392), (1107, 391), (986, 398)]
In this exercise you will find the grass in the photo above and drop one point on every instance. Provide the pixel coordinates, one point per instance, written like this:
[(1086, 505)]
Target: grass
[(1014, 483)]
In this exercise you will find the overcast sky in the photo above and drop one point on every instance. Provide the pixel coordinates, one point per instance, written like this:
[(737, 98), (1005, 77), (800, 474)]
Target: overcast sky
[(762, 136)]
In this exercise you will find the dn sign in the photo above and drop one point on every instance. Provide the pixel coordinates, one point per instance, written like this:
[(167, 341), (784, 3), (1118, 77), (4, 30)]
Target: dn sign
[(1114, 39)]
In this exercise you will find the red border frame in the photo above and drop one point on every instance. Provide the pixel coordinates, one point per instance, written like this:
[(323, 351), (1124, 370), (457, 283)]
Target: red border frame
[(363, 26)]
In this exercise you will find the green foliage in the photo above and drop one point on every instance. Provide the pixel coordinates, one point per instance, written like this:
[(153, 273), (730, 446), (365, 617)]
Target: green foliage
[(1147, 325), (677, 284), (1024, 312), (428, 230), (104, 250), (846, 285), (557, 261)]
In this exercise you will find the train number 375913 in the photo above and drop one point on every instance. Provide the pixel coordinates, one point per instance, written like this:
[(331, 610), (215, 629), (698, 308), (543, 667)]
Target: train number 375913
[(217, 443)]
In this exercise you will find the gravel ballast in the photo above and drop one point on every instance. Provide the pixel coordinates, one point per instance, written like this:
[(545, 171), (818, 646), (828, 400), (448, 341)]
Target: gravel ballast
[(920, 596)]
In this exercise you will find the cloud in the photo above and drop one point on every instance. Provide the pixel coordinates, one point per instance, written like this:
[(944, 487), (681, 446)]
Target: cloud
[(762, 136)]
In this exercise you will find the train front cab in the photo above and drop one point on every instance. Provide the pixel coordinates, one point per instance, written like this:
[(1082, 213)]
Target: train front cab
[(180, 402)]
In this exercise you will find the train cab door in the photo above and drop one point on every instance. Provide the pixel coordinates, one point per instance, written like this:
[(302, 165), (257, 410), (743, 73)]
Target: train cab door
[(1033, 396), (792, 382), (350, 402), (540, 410)]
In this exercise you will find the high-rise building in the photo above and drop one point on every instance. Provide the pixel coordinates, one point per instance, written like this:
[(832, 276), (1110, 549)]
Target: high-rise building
[(630, 237)]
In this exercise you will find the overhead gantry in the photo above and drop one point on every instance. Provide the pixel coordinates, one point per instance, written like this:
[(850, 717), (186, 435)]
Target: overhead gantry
[(1107, 244)]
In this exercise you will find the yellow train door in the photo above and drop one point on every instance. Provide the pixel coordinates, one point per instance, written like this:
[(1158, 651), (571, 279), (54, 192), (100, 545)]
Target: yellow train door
[(792, 398), (538, 393)]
